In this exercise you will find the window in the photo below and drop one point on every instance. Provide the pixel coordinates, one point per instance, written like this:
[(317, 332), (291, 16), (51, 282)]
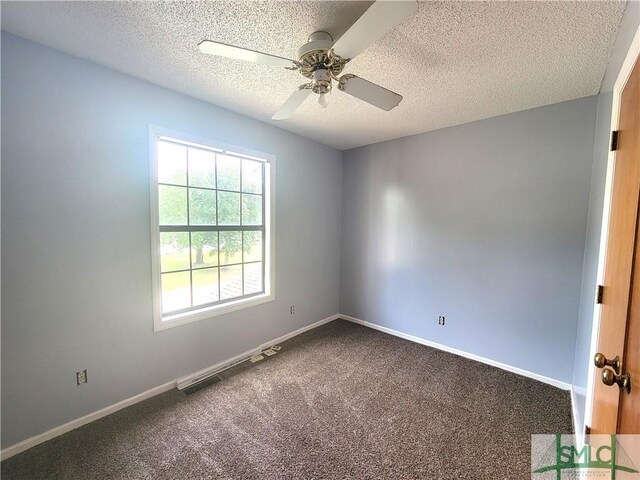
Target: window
[(211, 212)]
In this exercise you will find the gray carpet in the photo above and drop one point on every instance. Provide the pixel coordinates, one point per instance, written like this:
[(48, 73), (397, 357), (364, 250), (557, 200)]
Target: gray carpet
[(340, 401)]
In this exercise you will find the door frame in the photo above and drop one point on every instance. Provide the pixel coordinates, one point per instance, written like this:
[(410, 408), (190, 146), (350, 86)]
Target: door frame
[(623, 76)]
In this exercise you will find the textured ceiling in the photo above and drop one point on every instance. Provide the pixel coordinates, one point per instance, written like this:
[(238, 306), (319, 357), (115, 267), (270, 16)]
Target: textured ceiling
[(454, 62)]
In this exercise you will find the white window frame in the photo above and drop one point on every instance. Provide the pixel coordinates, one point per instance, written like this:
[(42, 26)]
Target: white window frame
[(161, 322)]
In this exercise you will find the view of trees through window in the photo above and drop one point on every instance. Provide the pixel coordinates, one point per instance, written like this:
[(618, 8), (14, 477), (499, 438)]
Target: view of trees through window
[(211, 215)]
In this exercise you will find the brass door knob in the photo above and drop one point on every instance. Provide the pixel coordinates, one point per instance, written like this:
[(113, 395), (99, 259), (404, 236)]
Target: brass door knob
[(623, 381), (601, 361)]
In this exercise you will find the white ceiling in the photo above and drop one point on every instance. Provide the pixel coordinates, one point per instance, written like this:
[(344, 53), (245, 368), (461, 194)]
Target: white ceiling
[(454, 62)]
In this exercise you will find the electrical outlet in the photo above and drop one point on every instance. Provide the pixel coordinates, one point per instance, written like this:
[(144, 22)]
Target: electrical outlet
[(81, 377), (441, 320), (292, 309)]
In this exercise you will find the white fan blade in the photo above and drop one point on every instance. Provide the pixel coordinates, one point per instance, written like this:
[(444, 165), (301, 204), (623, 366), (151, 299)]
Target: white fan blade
[(369, 92), (224, 50), (381, 17), (292, 103)]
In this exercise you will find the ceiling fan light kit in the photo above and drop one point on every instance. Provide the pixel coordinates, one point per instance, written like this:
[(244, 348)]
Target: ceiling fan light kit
[(322, 61), (322, 100)]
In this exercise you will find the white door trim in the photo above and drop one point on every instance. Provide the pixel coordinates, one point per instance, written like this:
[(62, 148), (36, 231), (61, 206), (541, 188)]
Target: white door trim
[(625, 72)]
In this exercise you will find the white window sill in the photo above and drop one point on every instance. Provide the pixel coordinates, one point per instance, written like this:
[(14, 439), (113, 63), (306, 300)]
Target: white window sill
[(209, 312)]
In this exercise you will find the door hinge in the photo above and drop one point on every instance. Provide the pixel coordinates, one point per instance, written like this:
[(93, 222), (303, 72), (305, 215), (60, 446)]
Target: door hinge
[(614, 140), (599, 294)]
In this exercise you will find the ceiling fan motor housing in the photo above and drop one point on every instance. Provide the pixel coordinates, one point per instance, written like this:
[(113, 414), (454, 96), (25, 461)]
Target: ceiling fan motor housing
[(315, 62)]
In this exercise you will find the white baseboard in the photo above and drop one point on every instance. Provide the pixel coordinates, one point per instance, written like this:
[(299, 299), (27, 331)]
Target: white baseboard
[(461, 353), (72, 425), (213, 368)]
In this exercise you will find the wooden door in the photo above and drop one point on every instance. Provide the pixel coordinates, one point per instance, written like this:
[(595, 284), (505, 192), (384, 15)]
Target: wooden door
[(615, 410)]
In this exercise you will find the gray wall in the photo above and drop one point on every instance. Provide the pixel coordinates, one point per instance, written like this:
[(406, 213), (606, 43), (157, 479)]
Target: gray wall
[(76, 275), (483, 223), (628, 28)]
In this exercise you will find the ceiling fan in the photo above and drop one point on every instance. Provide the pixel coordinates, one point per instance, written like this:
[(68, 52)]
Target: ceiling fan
[(321, 60)]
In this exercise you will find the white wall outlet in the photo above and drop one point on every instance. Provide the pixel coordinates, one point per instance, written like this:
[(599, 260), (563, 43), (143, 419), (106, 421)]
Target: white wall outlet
[(292, 309), (441, 320), (81, 377)]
